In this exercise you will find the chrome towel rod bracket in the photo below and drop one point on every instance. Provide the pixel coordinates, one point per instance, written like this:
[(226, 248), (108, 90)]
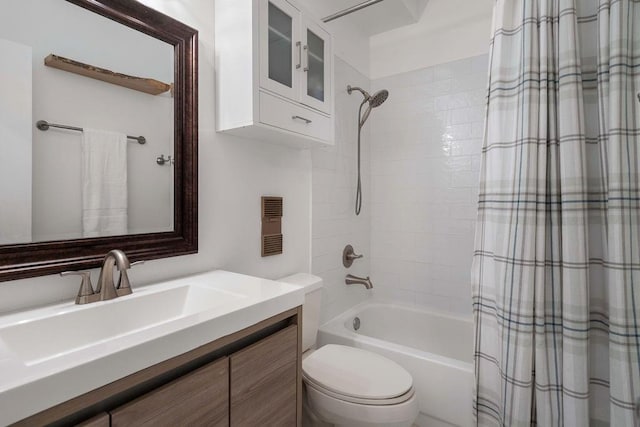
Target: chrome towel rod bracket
[(44, 125)]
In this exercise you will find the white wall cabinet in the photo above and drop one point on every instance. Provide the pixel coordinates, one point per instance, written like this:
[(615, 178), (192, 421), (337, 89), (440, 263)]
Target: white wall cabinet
[(274, 72)]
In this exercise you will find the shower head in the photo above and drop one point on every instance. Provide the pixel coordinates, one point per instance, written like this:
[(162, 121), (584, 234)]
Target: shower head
[(376, 100)]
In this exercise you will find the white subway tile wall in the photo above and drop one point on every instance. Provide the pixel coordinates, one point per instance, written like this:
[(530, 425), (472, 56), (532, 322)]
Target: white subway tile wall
[(334, 223), (425, 149)]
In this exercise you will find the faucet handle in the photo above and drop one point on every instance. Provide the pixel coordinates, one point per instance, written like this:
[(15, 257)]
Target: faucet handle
[(86, 289), (124, 285), (348, 256)]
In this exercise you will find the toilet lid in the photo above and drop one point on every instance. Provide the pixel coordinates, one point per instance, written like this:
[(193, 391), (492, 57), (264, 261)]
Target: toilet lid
[(357, 373)]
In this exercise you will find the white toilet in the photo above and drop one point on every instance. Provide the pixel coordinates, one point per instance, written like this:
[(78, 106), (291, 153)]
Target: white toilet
[(347, 386)]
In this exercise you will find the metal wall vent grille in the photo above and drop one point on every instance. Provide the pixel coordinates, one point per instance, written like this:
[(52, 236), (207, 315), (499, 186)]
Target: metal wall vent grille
[(272, 245), (271, 226), (271, 207)]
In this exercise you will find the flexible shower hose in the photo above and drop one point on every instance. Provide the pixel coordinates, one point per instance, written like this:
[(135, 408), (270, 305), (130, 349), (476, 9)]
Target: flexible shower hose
[(359, 185)]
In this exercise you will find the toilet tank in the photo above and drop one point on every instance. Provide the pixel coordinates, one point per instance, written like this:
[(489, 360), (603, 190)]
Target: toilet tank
[(311, 307)]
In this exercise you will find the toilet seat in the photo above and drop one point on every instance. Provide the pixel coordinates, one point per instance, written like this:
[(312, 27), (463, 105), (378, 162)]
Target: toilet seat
[(358, 376), (375, 402), (343, 413)]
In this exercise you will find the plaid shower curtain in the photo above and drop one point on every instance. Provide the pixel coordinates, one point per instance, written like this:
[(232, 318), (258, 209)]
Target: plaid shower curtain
[(556, 272)]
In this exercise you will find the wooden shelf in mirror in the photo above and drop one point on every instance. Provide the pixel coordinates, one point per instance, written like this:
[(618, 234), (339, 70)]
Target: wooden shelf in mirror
[(142, 84)]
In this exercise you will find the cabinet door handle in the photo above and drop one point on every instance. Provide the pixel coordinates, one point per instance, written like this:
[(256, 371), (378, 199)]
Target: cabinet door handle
[(299, 64), (306, 54), (304, 119)]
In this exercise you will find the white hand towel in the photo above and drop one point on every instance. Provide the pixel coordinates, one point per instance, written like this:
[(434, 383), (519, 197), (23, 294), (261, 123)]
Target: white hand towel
[(104, 183)]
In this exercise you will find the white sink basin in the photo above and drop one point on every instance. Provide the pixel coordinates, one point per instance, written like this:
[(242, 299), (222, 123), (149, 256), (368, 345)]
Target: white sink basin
[(51, 354), (37, 340)]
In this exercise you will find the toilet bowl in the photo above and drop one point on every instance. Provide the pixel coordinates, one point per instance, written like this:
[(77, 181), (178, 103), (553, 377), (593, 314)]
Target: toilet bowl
[(347, 386)]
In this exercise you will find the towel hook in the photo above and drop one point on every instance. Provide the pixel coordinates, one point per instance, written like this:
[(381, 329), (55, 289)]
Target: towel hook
[(162, 160)]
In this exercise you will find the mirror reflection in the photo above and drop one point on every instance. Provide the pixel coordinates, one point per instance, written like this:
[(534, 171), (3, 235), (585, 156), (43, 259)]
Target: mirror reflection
[(105, 85)]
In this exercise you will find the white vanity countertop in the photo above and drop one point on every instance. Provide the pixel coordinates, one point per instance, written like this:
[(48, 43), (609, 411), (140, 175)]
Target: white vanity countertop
[(30, 383)]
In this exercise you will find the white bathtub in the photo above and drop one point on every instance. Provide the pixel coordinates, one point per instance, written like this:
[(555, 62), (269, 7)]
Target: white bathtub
[(435, 348)]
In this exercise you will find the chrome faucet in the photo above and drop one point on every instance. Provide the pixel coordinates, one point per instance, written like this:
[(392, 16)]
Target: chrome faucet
[(106, 289), (355, 280)]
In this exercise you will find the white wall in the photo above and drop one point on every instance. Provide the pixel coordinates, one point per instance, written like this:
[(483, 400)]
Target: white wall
[(425, 162), (426, 150), (233, 174), (15, 142), (335, 224), (448, 30)]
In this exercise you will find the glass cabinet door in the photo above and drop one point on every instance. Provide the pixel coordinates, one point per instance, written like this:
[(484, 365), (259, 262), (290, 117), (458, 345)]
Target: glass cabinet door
[(316, 59), (315, 67), (279, 52)]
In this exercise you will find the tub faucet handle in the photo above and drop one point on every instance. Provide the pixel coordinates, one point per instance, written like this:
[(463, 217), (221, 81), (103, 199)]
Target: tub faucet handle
[(348, 256)]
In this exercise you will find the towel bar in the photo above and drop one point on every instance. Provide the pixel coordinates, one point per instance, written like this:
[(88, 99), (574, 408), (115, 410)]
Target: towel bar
[(44, 125)]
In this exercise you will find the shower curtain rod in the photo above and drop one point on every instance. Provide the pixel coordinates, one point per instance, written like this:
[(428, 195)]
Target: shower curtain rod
[(350, 10)]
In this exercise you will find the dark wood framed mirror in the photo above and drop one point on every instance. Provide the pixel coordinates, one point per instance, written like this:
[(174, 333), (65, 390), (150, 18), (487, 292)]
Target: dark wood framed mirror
[(31, 259)]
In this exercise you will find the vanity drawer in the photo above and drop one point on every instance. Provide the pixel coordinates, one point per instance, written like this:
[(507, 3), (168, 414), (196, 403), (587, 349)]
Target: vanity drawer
[(198, 398), (282, 114)]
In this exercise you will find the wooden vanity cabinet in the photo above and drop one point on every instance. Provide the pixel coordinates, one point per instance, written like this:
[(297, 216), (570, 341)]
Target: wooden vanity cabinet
[(200, 398), (255, 386), (249, 378), (263, 382), (101, 420)]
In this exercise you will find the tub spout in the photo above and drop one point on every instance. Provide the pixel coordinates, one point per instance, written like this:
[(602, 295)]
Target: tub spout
[(355, 280)]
